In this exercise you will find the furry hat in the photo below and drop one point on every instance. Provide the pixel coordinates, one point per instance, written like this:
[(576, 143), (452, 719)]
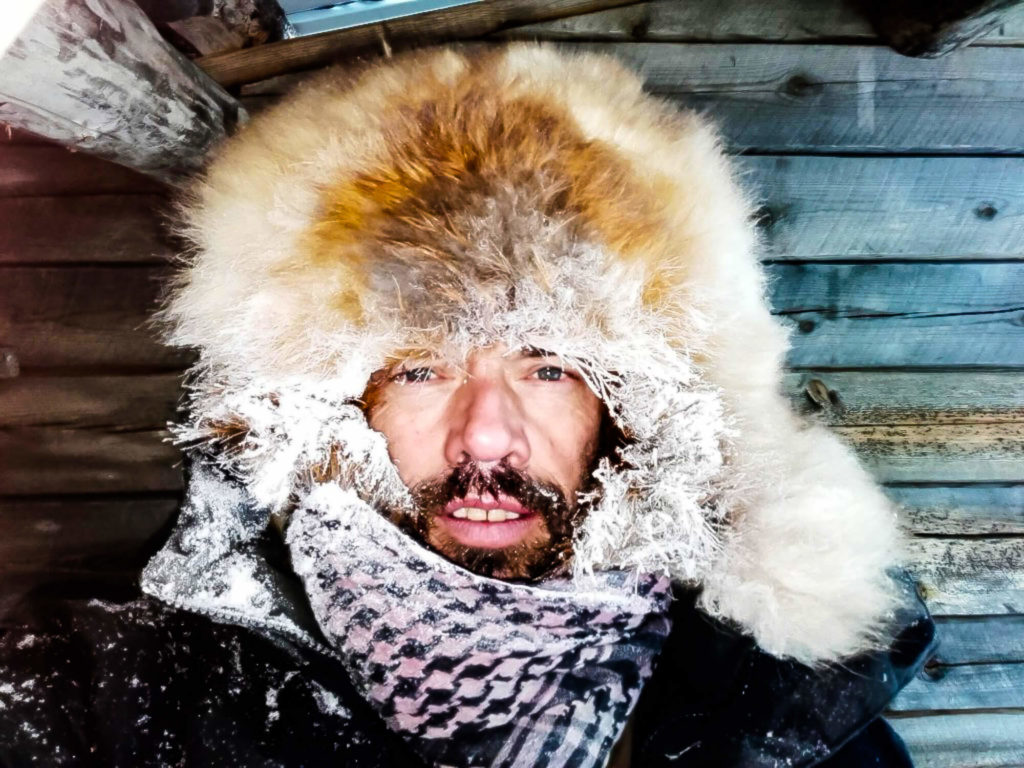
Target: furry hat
[(455, 198)]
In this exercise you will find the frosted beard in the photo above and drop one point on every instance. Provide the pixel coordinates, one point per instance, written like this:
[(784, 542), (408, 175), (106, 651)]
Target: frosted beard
[(548, 522)]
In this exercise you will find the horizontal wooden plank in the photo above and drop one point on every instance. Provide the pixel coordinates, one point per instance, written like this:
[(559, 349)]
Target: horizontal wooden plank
[(958, 510), (871, 207), (789, 21), (949, 453), (55, 170), (901, 314), (970, 686), (83, 317), (967, 740), (980, 639), (101, 533), (970, 577), (825, 98), (854, 398), (828, 99), (53, 461), (455, 23), (117, 403), (92, 229)]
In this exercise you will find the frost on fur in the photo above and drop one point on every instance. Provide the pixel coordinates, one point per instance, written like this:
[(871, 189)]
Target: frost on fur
[(335, 237)]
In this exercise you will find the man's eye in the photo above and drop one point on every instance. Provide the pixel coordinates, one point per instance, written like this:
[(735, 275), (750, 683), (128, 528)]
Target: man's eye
[(550, 373), (413, 375)]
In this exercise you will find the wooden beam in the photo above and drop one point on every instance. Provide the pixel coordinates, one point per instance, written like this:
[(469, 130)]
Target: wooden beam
[(117, 89), (734, 21), (466, 21)]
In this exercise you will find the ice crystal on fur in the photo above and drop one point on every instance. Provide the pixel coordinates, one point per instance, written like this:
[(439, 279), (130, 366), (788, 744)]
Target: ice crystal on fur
[(416, 208)]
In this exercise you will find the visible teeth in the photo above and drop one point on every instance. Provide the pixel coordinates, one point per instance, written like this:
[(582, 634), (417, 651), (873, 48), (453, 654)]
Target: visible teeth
[(488, 515)]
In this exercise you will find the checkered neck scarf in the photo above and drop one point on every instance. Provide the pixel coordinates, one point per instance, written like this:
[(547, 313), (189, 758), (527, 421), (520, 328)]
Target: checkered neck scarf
[(476, 671)]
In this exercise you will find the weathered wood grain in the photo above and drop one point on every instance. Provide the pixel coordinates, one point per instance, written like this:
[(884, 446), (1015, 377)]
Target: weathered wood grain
[(83, 317), (970, 577), (970, 686), (825, 99), (981, 639), (52, 170), (961, 510), (946, 453), (901, 314), (52, 461), (449, 24), (789, 21), (106, 532), (911, 207), (97, 75), (90, 230), (116, 403), (855, 398), (967, 740)]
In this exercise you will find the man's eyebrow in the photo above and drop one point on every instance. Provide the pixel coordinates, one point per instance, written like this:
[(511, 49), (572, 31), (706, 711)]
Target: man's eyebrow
[(536, 352)]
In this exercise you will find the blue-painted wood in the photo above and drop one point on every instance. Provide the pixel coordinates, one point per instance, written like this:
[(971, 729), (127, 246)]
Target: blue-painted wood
[(826, 98), (980, 639), (969, 686), (964, 740), (877, 207), (902, 315), (957, 510)]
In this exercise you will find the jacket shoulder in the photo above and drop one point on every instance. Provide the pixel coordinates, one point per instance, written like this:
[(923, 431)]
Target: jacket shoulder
[(134, 682)]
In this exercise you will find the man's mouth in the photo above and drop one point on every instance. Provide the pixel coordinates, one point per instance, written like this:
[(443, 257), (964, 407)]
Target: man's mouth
[(486, 522)]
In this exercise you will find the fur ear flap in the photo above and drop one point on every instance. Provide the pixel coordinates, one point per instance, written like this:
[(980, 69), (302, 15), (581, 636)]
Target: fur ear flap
[(805, 557)]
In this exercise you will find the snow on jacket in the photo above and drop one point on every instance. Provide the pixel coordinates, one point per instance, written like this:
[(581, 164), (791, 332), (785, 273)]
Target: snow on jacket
[(95, 676)]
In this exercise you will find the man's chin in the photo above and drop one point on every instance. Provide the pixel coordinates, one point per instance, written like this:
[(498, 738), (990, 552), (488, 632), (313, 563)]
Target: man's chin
[(527, 554)]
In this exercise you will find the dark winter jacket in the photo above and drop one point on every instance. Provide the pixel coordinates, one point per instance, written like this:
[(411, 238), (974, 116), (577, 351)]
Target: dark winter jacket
[(92, 677)]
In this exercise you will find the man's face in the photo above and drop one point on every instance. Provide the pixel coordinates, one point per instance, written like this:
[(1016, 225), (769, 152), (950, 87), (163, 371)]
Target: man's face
[(494, 452)]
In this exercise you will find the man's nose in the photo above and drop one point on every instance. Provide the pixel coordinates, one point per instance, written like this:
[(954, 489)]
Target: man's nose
[(487, 425)]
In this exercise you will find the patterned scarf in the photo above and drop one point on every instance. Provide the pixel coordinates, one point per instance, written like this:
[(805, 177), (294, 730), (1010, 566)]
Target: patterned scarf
[(476, 671)]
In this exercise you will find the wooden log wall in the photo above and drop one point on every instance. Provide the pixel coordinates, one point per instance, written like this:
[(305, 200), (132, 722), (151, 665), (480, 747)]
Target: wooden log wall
[(892, 194)]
